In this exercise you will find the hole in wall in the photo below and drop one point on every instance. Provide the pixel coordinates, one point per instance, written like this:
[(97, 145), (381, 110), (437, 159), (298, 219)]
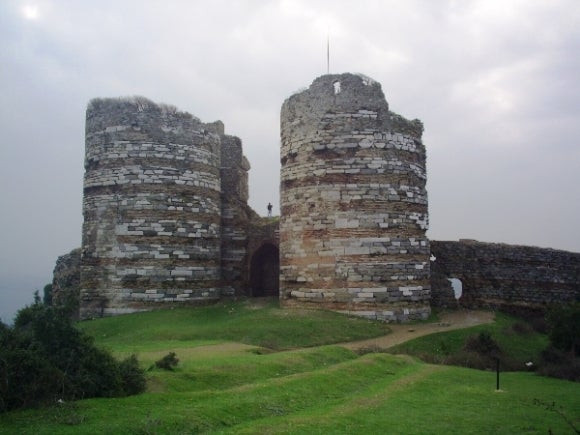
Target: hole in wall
[(457, 286)]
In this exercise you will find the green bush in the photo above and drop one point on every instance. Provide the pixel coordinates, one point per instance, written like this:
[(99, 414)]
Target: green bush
[(44, 358), (521, 328), (483, 344), (564, 324), (559, 364), (132, 376), (168, 362), (472, 360), (47, 294), (560, 358)]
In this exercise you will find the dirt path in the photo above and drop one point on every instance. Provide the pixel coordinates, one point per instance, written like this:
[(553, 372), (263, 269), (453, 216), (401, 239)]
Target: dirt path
[(448, 321)]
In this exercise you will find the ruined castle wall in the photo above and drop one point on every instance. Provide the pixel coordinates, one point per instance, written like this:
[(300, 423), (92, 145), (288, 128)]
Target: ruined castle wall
[(503, 276), (235, 215), (66, 279), (353, 203), (151, 207)]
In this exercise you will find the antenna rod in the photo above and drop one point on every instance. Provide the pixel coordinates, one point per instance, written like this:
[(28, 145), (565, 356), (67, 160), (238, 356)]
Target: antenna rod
[(328, 53)]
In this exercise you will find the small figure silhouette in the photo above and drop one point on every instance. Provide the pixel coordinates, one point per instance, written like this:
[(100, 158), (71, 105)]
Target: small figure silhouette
[(269, 209)]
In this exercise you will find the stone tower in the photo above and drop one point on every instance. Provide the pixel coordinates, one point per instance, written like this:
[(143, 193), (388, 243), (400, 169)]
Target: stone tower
[(152, 208), (353, 203)]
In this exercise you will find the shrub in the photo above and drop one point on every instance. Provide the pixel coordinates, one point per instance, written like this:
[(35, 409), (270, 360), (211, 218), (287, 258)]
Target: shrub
[(539, 324), (564, 324), (47, 294), (168, 362), (132, 376), (472, 360), (44, 358), (522, 328), (483, 344), (372, 348), (559, 364), (480, 351), (559, 359)]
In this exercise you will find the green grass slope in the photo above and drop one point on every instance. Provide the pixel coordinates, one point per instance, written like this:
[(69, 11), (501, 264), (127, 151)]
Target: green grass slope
[(263, 324), (226, 383), (518, 342)]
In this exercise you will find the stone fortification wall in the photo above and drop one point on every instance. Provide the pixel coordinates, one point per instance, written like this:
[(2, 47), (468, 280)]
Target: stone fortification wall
[(66, 279), (236, 215), (151, 207), (353, 203), (503, 276)]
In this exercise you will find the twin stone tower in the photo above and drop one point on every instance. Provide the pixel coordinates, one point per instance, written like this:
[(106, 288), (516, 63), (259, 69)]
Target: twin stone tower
[(166, 220)]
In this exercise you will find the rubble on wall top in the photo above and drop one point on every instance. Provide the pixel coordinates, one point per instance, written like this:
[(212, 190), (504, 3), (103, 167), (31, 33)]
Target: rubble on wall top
[(142, 103), (366, 79)]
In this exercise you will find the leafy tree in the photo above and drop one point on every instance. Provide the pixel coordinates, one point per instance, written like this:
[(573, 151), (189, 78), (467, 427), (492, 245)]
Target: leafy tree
[(559, 359), (564, 323), (47, 297), (43, 358)]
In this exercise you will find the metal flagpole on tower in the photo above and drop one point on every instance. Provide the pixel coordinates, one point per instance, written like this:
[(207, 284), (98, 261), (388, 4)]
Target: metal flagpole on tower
[(327, 53)]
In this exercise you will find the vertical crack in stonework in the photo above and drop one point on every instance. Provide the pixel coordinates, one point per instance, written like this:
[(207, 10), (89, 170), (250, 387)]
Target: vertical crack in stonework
[(353, 203)]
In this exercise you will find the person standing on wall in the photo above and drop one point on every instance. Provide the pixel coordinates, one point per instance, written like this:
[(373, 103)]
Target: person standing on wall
[(269, 209)]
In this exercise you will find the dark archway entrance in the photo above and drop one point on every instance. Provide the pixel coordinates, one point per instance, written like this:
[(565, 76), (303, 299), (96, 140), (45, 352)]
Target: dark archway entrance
[(265, 271)]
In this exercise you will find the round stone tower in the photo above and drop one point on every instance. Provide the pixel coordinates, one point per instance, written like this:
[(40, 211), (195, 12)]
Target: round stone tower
[(151, 207), (353, 203)]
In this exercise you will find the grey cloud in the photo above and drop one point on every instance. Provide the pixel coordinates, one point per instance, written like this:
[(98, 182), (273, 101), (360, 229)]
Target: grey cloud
[(495, 83)]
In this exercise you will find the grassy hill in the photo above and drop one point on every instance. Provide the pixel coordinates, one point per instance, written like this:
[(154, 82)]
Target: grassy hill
[(518, 341), (229, 380)]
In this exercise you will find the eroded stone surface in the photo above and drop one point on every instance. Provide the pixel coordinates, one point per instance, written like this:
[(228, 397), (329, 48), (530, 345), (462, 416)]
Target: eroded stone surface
[(504, 276), (353, 203), (154, 207), (66, 279), (167, 220)]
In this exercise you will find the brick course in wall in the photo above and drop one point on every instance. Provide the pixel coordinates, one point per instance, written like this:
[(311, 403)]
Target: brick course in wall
[(353, 203), (152, 209), (235, 216), (166, 219)]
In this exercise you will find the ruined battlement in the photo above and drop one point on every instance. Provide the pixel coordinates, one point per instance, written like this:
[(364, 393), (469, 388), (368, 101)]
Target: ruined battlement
[(341, 95), (129, 116), (334, 94)]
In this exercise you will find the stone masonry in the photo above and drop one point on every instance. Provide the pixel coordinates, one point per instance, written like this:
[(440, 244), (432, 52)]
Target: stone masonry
[(353, 203), (236, 216), (496, 275), (66, 280), (166, 219), (152, 207)]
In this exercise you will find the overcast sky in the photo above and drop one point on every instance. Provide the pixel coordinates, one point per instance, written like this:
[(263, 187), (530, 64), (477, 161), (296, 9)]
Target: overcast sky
[(496, 84)]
